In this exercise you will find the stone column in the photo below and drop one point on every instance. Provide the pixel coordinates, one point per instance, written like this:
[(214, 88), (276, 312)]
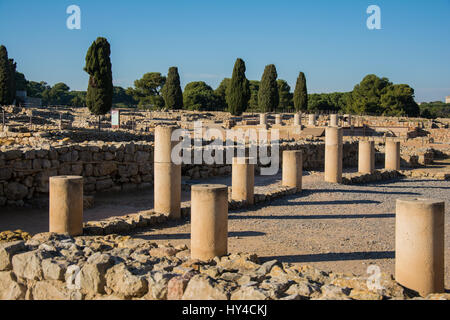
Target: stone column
[(66, 205), (333, 154), (243, 180), (278, 119), (167, 175), (366, 157), (298, 119), (263, 119), (312, 120), (419, 245), (209, 221), (392, 154), (292, 169), (334, 120)]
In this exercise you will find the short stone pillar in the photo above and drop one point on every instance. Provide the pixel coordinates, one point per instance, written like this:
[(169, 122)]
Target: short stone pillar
[(243, 180), (312, 120), (420, 245), (66, 205), (292, 169), (278, 119), (334, 120), (167, 175), (333, 154), (209, 221), (366, 157), (298, 119), (392, 155), (263, 119)]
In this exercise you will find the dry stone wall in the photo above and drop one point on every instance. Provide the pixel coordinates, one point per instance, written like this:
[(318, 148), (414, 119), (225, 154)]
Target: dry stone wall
[(111, 166)]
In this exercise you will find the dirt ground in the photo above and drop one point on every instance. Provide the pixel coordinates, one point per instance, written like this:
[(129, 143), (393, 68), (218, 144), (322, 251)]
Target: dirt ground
[(332, 227)]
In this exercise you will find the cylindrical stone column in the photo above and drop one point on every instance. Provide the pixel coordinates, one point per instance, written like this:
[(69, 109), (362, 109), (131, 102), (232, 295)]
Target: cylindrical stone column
[(392, 154), (419, 245), (298, 119), (66, 205), (333, 154), (334, 120), (167, 175), (243, 180), (366, 157), (278, 119), (263, 119), (312, 119), (209, 221), (292, 169)]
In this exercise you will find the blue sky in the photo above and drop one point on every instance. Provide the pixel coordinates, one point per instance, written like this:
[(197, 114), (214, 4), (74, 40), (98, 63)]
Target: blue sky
[(326, 39)]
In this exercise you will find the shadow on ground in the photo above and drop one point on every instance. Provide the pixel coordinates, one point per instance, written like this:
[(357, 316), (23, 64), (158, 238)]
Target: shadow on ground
[(314, 217), (187, 236), (326, 257)]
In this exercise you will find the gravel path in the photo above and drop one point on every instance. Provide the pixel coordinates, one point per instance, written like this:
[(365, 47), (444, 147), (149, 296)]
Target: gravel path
[(333, 227)]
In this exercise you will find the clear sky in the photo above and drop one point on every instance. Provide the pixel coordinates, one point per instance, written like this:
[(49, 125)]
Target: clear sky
[(326, 39)]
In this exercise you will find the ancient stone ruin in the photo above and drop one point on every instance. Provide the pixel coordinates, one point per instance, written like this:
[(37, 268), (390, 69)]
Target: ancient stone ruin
[(59, 165)]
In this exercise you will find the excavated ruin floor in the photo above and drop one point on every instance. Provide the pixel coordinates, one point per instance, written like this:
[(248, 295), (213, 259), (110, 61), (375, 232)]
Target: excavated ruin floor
[(331, 227)]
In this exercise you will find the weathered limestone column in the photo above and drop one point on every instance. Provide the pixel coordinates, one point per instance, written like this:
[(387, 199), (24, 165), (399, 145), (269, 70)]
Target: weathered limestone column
[(334, 120), (292, 169), (167, 175), (209, 221), (66, 205), (366, 157), (312, 120), (333, 154), (298, 119), (263, 119), (243, 180), (278, 119), (392, 154), (419, 245)]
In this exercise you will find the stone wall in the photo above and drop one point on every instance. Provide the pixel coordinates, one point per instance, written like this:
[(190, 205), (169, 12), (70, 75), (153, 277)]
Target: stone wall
[(110, 166)]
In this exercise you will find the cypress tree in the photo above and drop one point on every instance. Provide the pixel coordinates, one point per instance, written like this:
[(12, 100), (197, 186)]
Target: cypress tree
[(5, 78), (238, 92), (100, 89), (12, 80), (268, 90), (301, 93), (171, 92)]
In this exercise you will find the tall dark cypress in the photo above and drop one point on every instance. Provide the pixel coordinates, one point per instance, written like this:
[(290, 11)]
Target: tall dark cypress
[(100, 89), (171, 92), (5, 78), (238, 92), (268, 90), (12, 80), (301, 93)]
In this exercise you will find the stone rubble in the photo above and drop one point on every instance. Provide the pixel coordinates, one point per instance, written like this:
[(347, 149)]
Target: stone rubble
[(58, 267)]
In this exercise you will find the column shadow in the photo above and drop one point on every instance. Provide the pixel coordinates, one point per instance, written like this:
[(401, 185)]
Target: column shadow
[(328, 257)]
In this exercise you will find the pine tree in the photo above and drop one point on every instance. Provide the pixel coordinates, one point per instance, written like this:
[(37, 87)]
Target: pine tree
[(238, 92), (98, 66), (301, 93), (5, 78), (268, 91), (171, 92)]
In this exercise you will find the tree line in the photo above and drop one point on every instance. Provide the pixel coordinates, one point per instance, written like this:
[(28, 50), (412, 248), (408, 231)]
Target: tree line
[(373, 95)]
